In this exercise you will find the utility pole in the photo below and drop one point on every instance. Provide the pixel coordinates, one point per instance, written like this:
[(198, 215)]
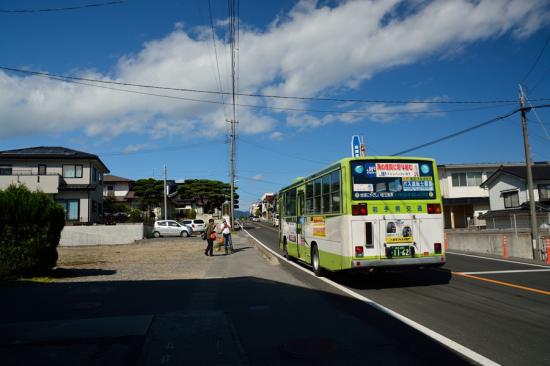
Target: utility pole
[(165, 194), (532, 204), (232, 173)]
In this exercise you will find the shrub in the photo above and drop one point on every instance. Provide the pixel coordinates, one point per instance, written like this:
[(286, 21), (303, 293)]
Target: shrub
[(30, 229), (191, 214), (135, 215)]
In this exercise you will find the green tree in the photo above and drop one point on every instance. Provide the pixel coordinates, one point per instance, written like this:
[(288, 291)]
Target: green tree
[(31, 224), (210, 194), (111, 206), (150, 193)]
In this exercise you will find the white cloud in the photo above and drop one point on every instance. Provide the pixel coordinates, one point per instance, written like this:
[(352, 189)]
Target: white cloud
[(258, 177), (313, 50), (136, 148), (276, 135)]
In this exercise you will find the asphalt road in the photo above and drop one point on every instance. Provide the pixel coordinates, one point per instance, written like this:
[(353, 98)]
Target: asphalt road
[(504, 316)]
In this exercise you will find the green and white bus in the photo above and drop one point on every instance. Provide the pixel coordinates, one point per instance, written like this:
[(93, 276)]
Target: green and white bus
[(364, 213)]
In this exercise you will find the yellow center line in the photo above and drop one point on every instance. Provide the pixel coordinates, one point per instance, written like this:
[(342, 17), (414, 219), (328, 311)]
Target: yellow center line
[(503, 283)]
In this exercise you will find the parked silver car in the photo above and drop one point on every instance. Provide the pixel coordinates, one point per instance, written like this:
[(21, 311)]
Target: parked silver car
[(170, 228), (197, 225)]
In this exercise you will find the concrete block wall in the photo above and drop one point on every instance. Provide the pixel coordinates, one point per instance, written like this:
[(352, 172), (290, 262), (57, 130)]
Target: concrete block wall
[(518, 244), (102, 234)]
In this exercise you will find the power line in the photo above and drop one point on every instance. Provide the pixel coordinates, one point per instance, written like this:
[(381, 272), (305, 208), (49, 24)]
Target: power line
[(216, 52), (536, 60), (458, 133), (76, 7), (538, 118), (372, 101), (284, 154), (471, 128), (252, 106)]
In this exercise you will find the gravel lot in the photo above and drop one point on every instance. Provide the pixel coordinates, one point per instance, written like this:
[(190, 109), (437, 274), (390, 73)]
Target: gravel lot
[(151, 259)]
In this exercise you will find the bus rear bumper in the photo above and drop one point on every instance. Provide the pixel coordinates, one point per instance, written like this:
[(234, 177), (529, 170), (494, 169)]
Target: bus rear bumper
[(422, 261)]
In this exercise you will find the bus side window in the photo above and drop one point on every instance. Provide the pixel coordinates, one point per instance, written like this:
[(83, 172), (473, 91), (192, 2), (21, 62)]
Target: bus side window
[(368, 230)]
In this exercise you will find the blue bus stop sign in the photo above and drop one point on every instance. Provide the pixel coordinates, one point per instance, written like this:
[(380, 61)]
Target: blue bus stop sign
[(355, 146)]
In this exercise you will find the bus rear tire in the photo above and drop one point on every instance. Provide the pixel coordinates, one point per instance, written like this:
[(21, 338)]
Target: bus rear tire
[(315, 262)]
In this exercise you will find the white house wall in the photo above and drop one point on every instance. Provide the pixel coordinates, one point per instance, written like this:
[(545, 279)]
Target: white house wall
[(506, 183), (119, 189), (449, 191)]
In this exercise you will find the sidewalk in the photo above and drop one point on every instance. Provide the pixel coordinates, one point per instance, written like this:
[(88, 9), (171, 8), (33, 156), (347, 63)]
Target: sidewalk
[(244, 309)]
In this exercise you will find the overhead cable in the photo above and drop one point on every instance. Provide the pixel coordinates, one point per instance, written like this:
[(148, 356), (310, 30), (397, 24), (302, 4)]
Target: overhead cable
[(536, 60), (76, 7), (458, 133), (31, 72), (252, 106)]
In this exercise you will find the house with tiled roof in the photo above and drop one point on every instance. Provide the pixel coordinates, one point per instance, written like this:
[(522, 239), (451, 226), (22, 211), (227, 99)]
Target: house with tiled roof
[(72, 178), (509, 196)]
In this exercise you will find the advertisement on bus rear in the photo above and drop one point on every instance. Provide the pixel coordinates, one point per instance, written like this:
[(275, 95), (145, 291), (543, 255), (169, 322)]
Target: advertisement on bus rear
[(392, 180)]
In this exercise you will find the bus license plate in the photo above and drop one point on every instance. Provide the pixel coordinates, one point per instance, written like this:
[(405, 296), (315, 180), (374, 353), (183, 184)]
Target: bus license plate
[(401, 251)]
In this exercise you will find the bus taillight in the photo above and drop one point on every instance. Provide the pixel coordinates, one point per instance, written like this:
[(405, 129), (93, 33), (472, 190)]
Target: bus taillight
[(434, 208), (437, 248), (359, 210), (359, 251)]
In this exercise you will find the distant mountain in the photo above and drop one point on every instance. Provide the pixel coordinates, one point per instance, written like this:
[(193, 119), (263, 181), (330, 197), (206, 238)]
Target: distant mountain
[(239, 213)]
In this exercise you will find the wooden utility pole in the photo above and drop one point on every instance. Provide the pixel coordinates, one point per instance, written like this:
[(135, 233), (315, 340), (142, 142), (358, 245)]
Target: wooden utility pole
[(528, 164)]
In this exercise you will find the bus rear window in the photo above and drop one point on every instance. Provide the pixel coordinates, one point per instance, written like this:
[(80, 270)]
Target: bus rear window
[(392, 180)]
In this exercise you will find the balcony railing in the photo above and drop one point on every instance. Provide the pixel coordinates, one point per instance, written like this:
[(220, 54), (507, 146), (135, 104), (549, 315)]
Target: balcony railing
[(47, 183)]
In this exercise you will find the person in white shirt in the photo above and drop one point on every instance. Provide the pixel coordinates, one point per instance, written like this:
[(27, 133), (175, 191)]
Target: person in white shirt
[(227, 242)]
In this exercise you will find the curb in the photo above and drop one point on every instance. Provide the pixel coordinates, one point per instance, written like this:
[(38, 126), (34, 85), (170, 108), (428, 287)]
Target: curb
[(272, 259)]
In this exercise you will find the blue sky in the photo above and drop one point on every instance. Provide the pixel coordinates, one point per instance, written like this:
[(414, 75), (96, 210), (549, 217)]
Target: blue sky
[(422, 51)]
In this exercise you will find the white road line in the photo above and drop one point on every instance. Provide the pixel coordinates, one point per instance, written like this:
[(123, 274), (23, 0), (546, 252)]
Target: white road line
[(503, 272), (457, 347), (498, 260)]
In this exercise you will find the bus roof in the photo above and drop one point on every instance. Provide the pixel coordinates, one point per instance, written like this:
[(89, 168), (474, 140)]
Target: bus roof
[(300, 180)]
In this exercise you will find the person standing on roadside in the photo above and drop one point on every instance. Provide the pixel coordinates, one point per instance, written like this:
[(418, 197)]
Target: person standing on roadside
[(227, 241), (210, 229)]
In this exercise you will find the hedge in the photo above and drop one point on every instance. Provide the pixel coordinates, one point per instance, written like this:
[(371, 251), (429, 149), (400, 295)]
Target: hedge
[(30, 229)]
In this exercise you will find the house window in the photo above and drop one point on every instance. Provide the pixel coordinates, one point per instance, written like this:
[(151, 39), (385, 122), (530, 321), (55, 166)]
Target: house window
[(94, 174), (41, 169), (5, 169), (110, 188), (72, 209), (544, 192), (511, 199), (470, 179), (473, 179), (72, 171)]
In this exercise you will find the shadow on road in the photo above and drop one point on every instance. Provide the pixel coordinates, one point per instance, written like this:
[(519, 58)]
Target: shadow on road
[(61, 272), (242, 320), (393, 278)]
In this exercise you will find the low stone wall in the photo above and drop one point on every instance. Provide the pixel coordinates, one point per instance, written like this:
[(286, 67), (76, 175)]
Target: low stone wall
[(103, 234), (491, 242)]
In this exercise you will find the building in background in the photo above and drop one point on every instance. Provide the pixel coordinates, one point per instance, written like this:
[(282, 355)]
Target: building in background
[(509, 197), (72, 178), (255, 209), (119, 189), (267, 209)]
